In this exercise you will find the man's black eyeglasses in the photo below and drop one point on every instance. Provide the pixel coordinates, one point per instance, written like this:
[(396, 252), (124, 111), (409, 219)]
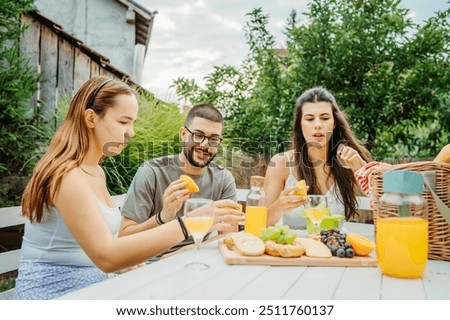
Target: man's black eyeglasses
[(198, 137)]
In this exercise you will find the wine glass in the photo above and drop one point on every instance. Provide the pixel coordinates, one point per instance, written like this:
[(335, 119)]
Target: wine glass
[(316, 210), (199, 217)]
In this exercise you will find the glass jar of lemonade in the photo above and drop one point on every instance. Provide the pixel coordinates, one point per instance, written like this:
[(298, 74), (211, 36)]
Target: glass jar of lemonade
[(256, 207), (402, 226)]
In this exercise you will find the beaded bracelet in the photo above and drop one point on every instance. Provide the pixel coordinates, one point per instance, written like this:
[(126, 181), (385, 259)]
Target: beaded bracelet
[(183, 227), (158, 218)]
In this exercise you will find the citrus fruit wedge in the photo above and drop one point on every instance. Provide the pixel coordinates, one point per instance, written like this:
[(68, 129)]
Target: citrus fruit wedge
[(361, 245), (190, 184), (302, 186)]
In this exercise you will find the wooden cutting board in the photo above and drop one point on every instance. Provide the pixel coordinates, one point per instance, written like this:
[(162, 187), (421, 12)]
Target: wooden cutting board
[(232, 256)]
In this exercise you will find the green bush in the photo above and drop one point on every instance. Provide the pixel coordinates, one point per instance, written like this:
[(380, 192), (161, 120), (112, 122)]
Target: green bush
[(22, 130), (6, 284)]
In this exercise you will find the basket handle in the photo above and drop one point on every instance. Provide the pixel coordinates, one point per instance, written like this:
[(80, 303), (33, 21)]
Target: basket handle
[(443, 209)]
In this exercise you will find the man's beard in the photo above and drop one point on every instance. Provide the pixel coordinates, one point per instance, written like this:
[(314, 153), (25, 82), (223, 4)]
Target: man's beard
[(189, 154)]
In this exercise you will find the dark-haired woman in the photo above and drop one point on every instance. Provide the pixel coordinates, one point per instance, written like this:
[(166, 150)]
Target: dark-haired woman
[(326, 154)]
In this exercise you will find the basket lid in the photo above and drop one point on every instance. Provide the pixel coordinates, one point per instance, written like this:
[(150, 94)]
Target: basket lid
[(402, 181)]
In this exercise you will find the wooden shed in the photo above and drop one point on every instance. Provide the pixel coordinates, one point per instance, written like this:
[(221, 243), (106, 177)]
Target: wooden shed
[(63, 61)]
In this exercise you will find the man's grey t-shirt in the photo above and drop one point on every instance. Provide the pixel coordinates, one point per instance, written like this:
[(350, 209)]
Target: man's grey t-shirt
[(145, 195)]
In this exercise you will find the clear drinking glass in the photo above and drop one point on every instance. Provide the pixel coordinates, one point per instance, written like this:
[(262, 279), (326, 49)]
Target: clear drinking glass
[(316, 210), (199, 217)]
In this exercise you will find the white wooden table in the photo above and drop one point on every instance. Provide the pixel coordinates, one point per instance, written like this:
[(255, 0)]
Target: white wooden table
[(168, 279)]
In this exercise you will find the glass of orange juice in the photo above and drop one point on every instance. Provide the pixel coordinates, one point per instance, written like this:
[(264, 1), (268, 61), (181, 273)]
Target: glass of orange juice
[(199, 217), (255, 219), (316, 210)]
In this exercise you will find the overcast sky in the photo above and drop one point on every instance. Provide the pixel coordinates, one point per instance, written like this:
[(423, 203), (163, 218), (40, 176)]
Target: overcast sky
[(190, 37)]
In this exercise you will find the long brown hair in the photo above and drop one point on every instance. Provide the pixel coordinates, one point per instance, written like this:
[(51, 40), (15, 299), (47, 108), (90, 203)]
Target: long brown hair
[(70, 143), (342, 133)]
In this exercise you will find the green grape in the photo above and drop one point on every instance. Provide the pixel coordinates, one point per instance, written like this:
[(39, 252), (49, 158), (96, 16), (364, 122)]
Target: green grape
[(270, 233), (286, 238), (278, 226), (289, 237), (280, 239), (285, 229), (281, 234)]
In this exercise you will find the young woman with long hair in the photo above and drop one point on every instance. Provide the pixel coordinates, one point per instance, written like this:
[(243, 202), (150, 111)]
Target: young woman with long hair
[(70, 238), (326, 154)]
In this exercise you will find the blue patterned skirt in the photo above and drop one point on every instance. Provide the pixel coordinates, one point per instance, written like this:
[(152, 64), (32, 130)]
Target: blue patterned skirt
[(44, 281)]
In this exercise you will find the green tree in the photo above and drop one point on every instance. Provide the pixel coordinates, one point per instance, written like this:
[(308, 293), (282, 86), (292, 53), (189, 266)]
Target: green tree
[(388, 74), (385, 71), (20, 127), (246, 94)]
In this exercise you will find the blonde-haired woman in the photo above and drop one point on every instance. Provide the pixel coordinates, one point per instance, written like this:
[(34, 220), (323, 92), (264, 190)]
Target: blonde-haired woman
[(69, 240)]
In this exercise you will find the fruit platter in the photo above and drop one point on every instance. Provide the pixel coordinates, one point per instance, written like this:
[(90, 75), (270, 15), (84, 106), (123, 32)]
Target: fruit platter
[(278, 245)]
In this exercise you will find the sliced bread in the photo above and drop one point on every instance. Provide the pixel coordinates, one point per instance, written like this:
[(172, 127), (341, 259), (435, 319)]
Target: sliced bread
[(284, 250), (314, 248), (246, 243)]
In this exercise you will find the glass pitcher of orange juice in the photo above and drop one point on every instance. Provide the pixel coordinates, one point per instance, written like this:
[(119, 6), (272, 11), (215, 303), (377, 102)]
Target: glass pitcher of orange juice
[(402, 226), (256, 209)]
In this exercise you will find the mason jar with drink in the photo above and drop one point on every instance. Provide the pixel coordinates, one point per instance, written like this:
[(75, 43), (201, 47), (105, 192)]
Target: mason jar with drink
[(402, 226)]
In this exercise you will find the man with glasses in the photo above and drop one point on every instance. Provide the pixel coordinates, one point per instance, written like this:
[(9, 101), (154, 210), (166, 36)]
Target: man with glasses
[(156, 194)]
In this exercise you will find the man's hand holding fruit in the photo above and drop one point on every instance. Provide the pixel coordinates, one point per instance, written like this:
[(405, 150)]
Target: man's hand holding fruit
[(173, 199), (228, 213)]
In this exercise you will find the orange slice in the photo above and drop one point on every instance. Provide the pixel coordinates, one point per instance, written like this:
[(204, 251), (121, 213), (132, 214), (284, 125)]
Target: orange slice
[(302, 186), (361, 245), (191, 185)]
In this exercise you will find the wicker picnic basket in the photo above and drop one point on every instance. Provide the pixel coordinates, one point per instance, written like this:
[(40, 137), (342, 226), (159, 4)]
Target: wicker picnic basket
[(438, 227)]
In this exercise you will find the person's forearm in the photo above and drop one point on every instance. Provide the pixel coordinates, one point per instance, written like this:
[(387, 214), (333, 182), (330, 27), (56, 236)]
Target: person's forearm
[(273, 215), (355, 167), (128, 251), (138, 227)]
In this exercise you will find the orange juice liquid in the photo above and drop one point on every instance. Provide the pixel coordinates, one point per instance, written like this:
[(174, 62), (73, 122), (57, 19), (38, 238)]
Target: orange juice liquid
[(316, 214), (198, 226), (402, 246), (255, 220)]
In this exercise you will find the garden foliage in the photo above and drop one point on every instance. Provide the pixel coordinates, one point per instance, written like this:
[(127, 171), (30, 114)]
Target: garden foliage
[(390, 76), (21, 128)]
